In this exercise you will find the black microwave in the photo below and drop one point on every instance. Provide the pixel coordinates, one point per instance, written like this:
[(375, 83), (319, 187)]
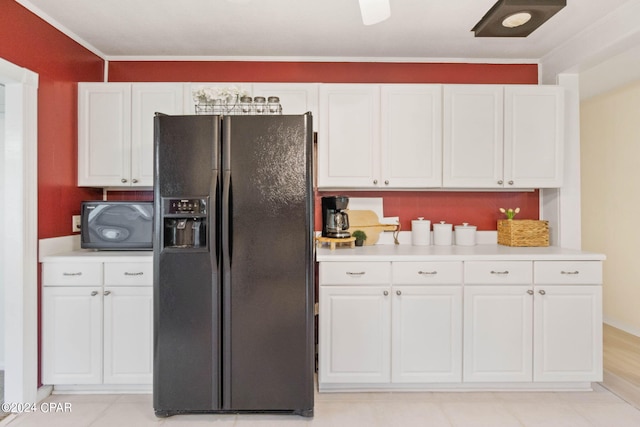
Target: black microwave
[(117, 225)]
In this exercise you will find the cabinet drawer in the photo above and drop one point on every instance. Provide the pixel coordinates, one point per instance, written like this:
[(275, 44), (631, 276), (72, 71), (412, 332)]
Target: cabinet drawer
[(421, 273), (70, 274), (498, 272), (128, 274), (567, 272), (355, 273)]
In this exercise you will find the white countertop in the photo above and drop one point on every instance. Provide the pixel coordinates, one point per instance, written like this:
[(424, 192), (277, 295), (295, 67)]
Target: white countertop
[(88, 255), (488, 252)]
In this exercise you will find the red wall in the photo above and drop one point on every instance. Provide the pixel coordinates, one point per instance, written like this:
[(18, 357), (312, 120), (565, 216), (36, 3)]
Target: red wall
[(478, 208), (29, 42)]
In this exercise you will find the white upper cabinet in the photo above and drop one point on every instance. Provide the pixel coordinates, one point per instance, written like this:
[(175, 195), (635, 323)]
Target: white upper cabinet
[(380, 136), (533, 135), (473, 136), (411, 136), (115, 131), (295, 98), (349, 136), (503, 136)]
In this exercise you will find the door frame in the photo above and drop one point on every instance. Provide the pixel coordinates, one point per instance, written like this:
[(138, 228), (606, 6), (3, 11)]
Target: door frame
[(20, 179)]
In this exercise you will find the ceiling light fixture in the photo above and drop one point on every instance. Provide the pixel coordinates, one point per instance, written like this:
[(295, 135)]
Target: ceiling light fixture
[(516, 18), (374, 11)]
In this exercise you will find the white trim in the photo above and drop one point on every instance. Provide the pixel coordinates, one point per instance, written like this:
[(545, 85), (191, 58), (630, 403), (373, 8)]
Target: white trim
[(418, 60), (623, 326), (57, 25), (21, 233)]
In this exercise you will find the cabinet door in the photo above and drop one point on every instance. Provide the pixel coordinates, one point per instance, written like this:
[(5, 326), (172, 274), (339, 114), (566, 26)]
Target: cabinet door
[(128, 335), (411, 136), (104, 134), (498, 333), (473, 136), (148, 99), (355, 334), (533, 136), (295, 98), (72, 335), (568, 333), (426, 334), (349, 138)]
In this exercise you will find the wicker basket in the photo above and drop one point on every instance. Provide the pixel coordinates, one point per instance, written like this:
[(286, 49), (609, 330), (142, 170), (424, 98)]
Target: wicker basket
[(523, 232)]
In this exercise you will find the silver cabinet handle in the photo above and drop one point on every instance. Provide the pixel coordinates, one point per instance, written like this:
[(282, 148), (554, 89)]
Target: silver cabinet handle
[(530, 292), (427, 273), (94, 293), (385, 293), (398, 293), (375, 182), (356, 273), (138, 273), (107, 293), (123, 180), (570, 272), (510, 182), (386, 182), (500, 182), (134, 180), (79, 273), (542, 292), (500, 272)]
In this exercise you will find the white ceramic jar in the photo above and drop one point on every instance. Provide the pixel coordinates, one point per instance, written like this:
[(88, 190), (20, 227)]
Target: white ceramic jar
[(420, 232), (465, 234), (442, 234)]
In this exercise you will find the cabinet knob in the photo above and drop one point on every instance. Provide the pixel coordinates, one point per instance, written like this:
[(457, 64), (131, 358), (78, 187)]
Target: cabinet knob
[(107, 293), (386, 182), (542, 292), (500, 182), (398, 293), (510, 182), (94, 293), (375, 182), (123, 180), (530, 292), (385, 293), (134, 181)]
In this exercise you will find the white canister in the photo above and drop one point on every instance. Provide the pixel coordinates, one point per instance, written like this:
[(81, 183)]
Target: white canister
[(465, 234), (420, 232), (442, 234)]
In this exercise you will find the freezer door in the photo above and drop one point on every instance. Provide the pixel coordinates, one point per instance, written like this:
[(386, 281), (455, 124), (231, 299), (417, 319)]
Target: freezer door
[(186, 296), (267, 252)]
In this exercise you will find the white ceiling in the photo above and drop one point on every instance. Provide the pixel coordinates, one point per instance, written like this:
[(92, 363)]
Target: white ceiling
[(418, 30)]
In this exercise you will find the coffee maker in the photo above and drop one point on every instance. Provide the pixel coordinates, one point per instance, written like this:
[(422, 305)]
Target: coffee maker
[(335, 220)]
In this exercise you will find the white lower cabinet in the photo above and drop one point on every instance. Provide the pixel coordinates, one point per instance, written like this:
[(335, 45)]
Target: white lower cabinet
[(547, 331), (355, 332), (426, 334), (72, 335), (497, 334), (377, 332), (128, 335), (97, 331), (416, 325)]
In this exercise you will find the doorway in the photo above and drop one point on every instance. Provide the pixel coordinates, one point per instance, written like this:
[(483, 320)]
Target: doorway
[(19, 234)]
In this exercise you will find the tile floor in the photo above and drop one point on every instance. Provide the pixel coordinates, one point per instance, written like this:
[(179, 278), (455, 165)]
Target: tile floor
[(572, 409)]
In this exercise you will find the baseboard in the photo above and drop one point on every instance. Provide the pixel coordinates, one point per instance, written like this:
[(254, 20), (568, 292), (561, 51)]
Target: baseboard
[(44, 392), (622, 326)]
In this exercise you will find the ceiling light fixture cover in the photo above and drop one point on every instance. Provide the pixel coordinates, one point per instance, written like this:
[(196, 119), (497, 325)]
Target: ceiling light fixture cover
[(374, 11), (495, 23)]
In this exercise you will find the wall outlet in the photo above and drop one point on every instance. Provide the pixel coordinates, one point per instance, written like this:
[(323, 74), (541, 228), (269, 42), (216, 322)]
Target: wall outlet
[(75, 223)]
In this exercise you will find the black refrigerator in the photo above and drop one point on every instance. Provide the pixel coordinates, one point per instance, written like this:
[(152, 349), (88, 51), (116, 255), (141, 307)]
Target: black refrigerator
[(233, 264)]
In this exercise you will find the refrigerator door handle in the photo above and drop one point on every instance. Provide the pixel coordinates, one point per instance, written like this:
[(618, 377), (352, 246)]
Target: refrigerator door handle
[(227, 239), (214, 243)]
